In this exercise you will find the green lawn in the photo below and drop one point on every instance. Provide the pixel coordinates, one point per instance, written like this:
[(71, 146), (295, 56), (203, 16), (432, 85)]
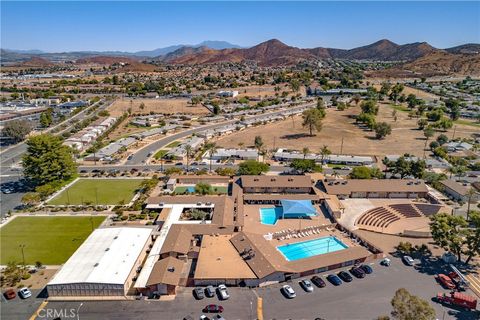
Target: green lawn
[(160, 154), (98, 191), (400, 107), (173, 144), (467, 123), (50, 240)]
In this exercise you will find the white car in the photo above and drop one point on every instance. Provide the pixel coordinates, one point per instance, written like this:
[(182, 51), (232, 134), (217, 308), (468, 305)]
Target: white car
[(288, 291), (408, 260), (306, 285), (222, 290), (24, 293)]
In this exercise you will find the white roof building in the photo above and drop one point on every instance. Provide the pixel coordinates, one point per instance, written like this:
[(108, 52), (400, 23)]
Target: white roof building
[(103, 265)]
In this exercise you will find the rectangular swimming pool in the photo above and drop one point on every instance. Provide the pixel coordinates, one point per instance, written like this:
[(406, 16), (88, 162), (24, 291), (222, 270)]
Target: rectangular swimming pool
[(270, 215), (310, 248)]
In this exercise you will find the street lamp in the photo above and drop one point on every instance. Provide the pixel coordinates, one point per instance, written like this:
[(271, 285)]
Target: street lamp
[(22, 246)]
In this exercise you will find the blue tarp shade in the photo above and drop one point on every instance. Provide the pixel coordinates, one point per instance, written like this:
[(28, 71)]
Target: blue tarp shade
[(298, 208)]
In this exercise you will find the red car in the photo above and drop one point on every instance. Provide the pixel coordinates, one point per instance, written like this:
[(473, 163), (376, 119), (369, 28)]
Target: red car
[(445, 281), (214, 308), (10, 294)]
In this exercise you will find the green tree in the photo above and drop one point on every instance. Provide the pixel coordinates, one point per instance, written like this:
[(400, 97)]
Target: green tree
[(48, 160), (203, 188), (362, 172), (472, 238), (305, 152), (412, 101), (410, 307), (396, 91), (369, 106), (382, 129), (422, 123), (211, 147), (305, 165), (258, 143), (225, 171), (367, 118), (188, 153), (46, 118), (442, 139), (312, 119), (448, 231), (17, 130), (252, 167), (324, 152)]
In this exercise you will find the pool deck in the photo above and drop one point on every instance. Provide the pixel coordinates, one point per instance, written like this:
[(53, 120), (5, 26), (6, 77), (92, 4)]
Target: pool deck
[(268, 259)]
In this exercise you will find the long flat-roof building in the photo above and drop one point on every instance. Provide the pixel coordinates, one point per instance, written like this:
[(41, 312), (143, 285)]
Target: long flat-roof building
[(104, 265), (376, 188)]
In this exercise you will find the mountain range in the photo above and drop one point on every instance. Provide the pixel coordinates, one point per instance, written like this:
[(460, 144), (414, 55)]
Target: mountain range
[(275, 53)]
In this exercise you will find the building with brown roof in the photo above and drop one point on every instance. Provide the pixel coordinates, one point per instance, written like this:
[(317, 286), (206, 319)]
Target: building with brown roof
[(375, 188), (458, 191), (276, 184), (166, 275)]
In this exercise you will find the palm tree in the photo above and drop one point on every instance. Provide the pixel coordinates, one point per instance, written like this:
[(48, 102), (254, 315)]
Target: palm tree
[(212, 148), (305, 152), (325, 152), (188, 150), (258, 144), (470, 194)]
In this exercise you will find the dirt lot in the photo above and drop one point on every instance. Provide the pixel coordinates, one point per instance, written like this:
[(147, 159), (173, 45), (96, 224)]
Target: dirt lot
[(405, 138), (167, 106), (264, 91), (419, 93)]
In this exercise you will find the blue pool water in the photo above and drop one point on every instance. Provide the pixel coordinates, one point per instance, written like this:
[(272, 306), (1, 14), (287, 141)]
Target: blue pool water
[(270, 215), (310, 248), (191, 189)]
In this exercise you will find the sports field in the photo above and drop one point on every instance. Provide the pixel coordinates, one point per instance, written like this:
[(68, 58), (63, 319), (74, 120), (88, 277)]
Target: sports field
[(98, 191), (50, 240)]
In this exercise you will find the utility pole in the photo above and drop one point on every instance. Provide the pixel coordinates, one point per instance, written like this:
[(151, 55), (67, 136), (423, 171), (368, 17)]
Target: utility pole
[(341, 147), (454, 129)]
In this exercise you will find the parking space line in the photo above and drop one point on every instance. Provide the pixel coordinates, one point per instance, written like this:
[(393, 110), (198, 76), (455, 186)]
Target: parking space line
[(474, 284), (260, 308), (40, 307)]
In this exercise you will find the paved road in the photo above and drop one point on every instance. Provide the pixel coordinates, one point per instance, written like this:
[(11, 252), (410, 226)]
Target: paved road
[(11, 176), (361, 299), (142, 154)]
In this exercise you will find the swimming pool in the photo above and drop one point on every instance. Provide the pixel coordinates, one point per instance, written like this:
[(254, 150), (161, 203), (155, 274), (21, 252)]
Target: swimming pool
[(270, 215), (310, 248)]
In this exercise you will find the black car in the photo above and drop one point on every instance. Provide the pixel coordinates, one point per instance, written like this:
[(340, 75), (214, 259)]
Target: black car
[(198, 293), (358, 272), (316, 280), (366, 268), (345, 276), (334, 279)]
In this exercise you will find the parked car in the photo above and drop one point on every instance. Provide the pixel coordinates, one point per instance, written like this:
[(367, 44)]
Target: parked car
[(178, 164), (204, 317), (345, 276), (334, 279), (358, 272), (318, 281), (306, 285), (408, 260), (386, 262), (288, 291), (210, 291), (199, 293), (223, 292), (445, 281), (213, 308), (366, 268), (9, 294), (24, 293)]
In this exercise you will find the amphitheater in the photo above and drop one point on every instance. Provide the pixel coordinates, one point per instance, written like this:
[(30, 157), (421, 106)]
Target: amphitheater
[(409, 219)]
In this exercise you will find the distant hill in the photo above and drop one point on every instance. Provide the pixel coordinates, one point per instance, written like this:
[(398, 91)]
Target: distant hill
[(37, 62), (469, 48), (269, 53), (105, 60), (444, 63), (385, 50)]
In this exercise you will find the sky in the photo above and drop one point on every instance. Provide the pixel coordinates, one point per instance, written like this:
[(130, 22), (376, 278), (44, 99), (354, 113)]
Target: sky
[(132, 26)]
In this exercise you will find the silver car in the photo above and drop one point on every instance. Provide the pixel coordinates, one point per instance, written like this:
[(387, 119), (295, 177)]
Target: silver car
[(222, 290), (306, 285), (288, 291)]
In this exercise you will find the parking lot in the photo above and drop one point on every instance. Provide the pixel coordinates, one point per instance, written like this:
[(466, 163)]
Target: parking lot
[(365, 298)]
